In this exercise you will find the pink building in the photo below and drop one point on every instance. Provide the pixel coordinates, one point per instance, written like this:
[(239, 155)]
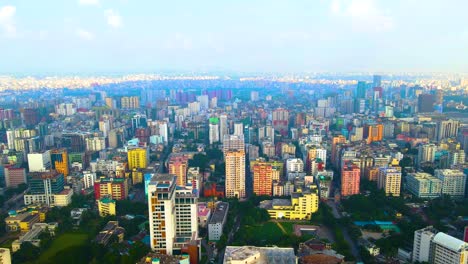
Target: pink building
[(350, 179)]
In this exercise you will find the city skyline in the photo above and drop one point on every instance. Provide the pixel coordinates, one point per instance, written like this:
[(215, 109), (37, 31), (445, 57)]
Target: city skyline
[(259, 36)]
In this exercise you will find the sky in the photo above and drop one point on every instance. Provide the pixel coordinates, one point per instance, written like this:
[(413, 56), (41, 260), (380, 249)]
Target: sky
[(90, 36)]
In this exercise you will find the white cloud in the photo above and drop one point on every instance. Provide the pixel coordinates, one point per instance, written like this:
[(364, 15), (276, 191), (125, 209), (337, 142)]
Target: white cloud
[(89, 2), (179, 41), (7, 23), (113, 18), (84, 34), (364, 14)]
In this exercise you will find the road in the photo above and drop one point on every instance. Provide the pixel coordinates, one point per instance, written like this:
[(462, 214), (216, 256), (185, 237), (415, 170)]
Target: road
[(208, 249), (235, 228), (354, 247)]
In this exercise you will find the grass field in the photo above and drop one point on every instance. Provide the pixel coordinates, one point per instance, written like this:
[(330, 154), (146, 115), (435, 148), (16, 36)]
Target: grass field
[(268, 231), (62, 242)]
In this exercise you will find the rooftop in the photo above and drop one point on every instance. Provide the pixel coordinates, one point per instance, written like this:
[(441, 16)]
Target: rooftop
[(220, 213), (264, 255), (449, 242)]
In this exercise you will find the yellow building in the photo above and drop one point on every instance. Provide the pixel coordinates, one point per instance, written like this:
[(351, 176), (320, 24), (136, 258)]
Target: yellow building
[(21, 222), (137, 158), (59, 159), (300, 207), (106, 207), (137, 176)]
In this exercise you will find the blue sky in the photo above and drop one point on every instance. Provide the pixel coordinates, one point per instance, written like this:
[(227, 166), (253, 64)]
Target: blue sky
[(68, 36)]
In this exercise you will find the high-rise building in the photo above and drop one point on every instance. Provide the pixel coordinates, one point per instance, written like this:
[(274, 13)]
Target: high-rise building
[(423, 185), (335, 141), (138, 158), (446, 249), (425, 103), (39, 161), (213, 133), (178, 166), (238, 129), (223, 126), (426, 153), (361, 90), (350, 179), (95, 143), (43, 186), (130, 102), (172, 215), (447, 129), (59, 160), (294, 165), (14, 176), (280, 120), (374, 133), (254, 96), (453, 182), (88, 179), (263, 178), (377, 81), (389, 180), (235, 173), (422, 244), (115, 188), (233, 142)]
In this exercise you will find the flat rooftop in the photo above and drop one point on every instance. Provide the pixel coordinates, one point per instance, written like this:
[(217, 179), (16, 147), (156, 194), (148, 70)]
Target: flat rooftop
[(220, 213), (265, 255)]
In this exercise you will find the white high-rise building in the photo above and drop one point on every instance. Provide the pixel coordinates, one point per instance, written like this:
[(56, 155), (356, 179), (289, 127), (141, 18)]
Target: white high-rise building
[(39, 161), (235, 173), (88, 179), (422, 244), (447, 129), (163, 131), (95, 143), (10, 139), (204, 101), (238, 129), (295, 165), (172, 214), (213, 133), (446, 249), (453, 182), (223, 126), (253, 96)]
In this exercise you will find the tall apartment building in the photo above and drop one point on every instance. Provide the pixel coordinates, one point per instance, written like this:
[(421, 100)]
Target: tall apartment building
[(233, 142), (422, 244), (138, 158), (350, 179), (374, 133), (423, 185), (114, 188), (263, 178), (223, 126), (446, 249), (172, 215), (453, 182), (59, 160), (447, 129), (235, 173), (426, 153), (335, 141), (130, 102), (213, 133), (389, 180), (280, 120), (14, 176), (178, 166)]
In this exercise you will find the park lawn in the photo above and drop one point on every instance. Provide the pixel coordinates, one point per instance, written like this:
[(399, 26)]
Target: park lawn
[(268, 231), (62, 242)]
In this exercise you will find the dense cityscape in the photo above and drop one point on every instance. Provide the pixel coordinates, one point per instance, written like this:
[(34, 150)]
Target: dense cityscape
[(222, 169)]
